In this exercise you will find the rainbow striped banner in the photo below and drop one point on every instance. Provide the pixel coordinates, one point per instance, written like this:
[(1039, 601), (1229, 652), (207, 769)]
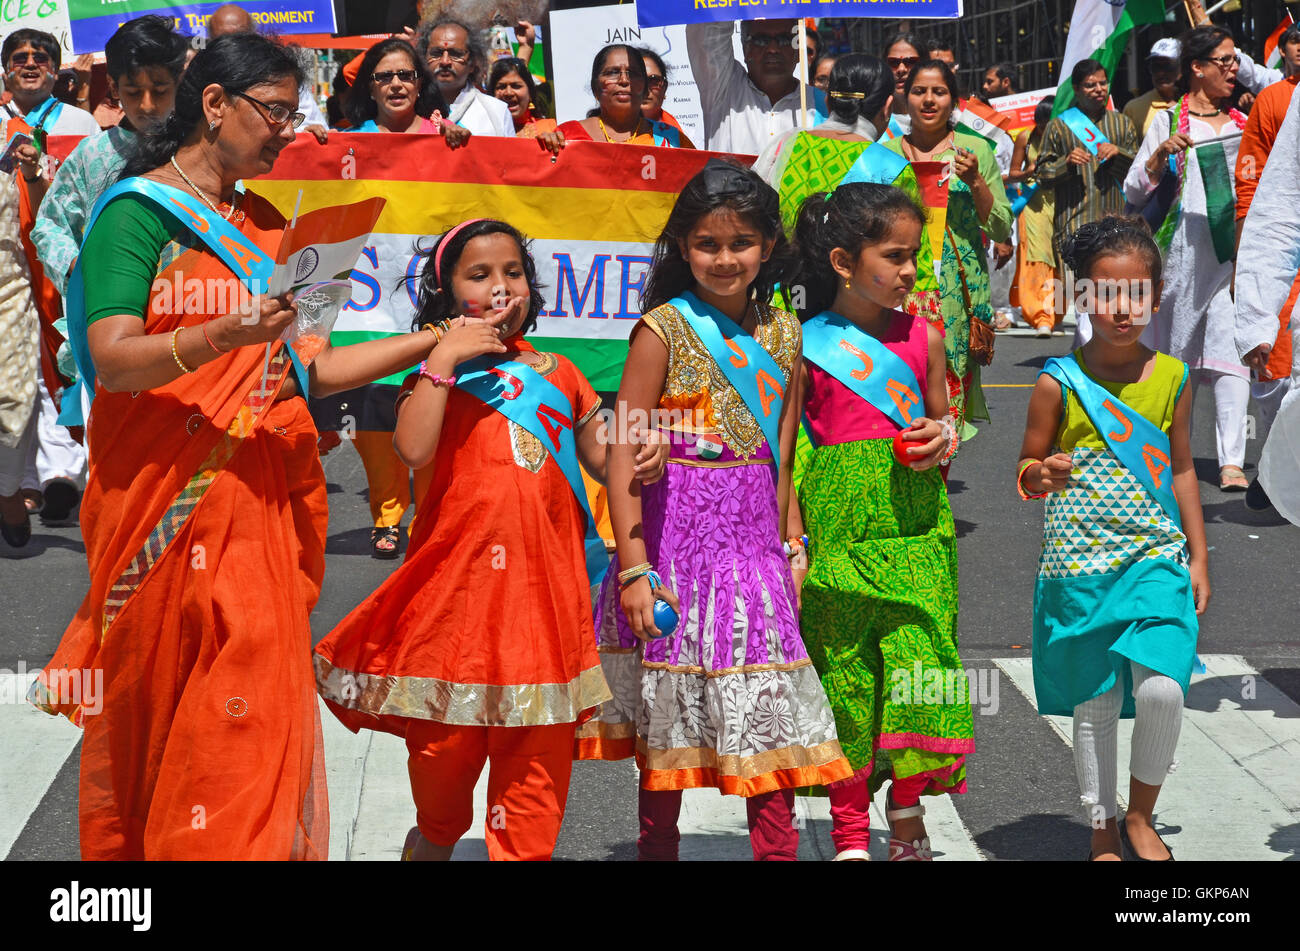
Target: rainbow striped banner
[(593, 217)]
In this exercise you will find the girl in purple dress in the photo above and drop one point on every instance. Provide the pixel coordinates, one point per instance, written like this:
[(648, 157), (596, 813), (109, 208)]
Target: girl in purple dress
[(729, 699)]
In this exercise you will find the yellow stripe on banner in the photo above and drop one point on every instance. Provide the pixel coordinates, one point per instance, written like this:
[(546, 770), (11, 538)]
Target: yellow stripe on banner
[(1008, 386), (575, 214)]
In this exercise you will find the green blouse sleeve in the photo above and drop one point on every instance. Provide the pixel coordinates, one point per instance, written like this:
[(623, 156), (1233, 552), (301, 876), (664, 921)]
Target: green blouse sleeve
[(119, 259)]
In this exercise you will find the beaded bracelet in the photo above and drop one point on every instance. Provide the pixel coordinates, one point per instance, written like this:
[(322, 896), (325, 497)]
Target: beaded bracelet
[(1020, 475), (434, 378), (176, 355)]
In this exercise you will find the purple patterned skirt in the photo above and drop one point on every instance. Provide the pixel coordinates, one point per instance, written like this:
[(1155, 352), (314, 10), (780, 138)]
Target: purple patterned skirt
[(730, 698)]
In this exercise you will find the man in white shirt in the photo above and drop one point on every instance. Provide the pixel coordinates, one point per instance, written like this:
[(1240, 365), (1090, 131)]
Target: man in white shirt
[(746, 107), (458, 62), (232, 18)]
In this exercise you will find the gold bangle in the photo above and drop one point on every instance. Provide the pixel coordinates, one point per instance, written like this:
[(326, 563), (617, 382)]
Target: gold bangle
[(634, 572), (176, 355)]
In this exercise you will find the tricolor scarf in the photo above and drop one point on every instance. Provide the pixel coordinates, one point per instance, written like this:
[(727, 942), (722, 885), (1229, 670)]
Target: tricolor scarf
[(1220, 204)]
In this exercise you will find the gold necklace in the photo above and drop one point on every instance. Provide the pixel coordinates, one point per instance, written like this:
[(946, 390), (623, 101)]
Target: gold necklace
[(204, 198), (605, 133)]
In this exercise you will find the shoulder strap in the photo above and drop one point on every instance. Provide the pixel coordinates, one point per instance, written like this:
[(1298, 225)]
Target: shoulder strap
[(864, 365), (748, 367), (528, 399), (1143, 448)]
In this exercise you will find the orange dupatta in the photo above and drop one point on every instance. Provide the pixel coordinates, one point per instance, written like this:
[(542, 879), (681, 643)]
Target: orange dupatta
[(188, 664)]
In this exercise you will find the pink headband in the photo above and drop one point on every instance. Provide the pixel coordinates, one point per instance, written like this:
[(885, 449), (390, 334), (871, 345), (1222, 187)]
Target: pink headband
[(446, 240)]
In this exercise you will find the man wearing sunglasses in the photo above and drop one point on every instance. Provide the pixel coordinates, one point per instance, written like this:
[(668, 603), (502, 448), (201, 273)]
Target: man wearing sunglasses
[(232, 18), (456, 57), (746, 107)]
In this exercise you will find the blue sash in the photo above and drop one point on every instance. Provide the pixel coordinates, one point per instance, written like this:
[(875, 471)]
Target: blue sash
[(247, 261), (865, 365), (1020, 196), (750, 368), (1142, 447), (525, 397), (876, 164), (50, 110), (894, 129), (665, 136), (1084, 128)]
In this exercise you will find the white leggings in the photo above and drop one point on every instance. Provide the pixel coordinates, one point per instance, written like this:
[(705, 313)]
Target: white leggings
[(1155, 737), (1231, 398)]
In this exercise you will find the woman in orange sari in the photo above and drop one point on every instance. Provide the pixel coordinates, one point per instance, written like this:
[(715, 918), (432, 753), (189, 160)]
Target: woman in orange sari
[(188, 664)]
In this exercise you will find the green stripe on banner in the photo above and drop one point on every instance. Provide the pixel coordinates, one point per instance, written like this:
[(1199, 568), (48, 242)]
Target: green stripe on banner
[(341, 338), (600, 361), (1220, 201)]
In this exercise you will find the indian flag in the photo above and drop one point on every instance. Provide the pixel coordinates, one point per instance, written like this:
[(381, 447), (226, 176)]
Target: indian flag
[(996, 128), (1273, 55), (1099, 30)]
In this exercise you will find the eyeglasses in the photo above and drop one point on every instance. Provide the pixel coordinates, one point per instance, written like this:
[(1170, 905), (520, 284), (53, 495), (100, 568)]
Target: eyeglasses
[(38, 58), (656, 82), (386, 76), (277, 116), (769, 39), (614, 73), (1225, 62), (897, 61), (456, 55)]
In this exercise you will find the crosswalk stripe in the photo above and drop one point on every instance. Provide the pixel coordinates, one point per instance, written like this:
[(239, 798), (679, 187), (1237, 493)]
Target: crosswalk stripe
[(1238, 762), (34, 746)]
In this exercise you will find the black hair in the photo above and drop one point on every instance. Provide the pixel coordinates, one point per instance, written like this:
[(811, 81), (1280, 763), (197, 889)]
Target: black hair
[(436, 300), (1083, 69), (817, 42), (902, 37), (949, 77), (29, 37), (936, 43), (647, 53), (851, 217), (720, 185), (1290, 35), (236, 62), (635, 65), (1198, 44), (144, 43), (858, 87), (1002, 71), (473, 43), (360, 105), (1112, 235), (506, 66), (1043, 111)]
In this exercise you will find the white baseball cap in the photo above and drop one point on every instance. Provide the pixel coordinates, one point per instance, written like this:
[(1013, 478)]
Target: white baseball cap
[(1166, 48)]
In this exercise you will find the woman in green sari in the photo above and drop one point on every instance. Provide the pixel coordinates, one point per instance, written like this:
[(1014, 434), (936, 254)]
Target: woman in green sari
[(976, 210)]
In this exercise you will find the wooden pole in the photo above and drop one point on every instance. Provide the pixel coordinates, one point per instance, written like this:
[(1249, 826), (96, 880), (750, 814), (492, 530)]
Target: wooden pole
[(803, 73)]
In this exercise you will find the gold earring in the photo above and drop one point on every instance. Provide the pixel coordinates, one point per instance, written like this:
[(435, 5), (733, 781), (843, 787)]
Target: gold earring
[(847, 285)]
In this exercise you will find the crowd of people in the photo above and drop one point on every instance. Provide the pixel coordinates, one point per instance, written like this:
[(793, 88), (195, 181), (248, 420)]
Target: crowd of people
[(814, 324)]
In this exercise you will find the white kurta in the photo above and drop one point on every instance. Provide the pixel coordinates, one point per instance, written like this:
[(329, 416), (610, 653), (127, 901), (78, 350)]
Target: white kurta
[(1195, 322)]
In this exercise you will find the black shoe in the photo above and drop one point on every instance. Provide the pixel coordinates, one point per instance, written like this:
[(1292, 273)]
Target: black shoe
[(378, 535), (17, 535), (61, 497), (1256, 498), (1130, 853)]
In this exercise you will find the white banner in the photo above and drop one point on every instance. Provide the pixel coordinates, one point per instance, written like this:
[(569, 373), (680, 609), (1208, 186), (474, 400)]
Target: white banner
[(49, 16)]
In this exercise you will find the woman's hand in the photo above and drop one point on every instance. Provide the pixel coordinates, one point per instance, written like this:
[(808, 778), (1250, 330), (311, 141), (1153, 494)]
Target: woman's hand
[(926, 456), (455, 136), (966, 166), (638, 603), (1171, 146), (1050, 475), (1200, 573), (465, 342), (1257, 360), (552, 142), (652, 457), (241, 330)]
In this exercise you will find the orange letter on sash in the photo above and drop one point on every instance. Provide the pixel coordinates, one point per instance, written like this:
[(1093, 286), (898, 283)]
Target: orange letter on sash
[(866, 361), (1156, 461), (197, 222), (242, 253), (1123, 421), (768, 390), (735, 348), (903, 398), (516, 385), (546, 415)]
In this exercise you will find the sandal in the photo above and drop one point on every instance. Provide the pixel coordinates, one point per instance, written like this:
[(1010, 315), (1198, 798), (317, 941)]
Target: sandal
[(853, 855), (1003, 322), (412, 840), (383, 542), (900, 850), (16, 535), (1232, 479)]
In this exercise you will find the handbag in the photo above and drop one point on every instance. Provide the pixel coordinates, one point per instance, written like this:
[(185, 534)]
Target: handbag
[(981, 334)]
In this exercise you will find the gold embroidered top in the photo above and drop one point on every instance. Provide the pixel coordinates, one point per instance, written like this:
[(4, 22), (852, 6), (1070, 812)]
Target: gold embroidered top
[(696, 390)]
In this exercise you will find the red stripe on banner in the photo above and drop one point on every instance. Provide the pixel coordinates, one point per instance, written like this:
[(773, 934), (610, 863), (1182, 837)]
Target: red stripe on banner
[(488, 160)]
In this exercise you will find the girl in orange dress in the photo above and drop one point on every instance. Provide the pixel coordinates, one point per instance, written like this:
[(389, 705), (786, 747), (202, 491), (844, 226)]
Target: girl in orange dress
[(481, 646)]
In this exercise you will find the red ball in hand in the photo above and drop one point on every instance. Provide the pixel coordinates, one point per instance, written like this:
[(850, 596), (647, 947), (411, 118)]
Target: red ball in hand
[(902, 444)]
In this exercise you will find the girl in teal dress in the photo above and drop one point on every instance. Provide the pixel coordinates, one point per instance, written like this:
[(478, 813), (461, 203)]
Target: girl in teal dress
[(1123, 573)]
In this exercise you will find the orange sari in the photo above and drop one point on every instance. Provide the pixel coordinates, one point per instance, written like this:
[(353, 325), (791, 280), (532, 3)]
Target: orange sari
[(204, 522)]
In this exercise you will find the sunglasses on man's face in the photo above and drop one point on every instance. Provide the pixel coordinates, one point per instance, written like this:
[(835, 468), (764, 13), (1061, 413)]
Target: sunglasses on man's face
[(759, 40), (897, 62), (385, 77), (37, 58)]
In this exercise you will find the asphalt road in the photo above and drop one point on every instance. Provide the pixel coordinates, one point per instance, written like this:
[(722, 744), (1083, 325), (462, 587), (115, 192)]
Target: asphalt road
[(1022, 797)]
